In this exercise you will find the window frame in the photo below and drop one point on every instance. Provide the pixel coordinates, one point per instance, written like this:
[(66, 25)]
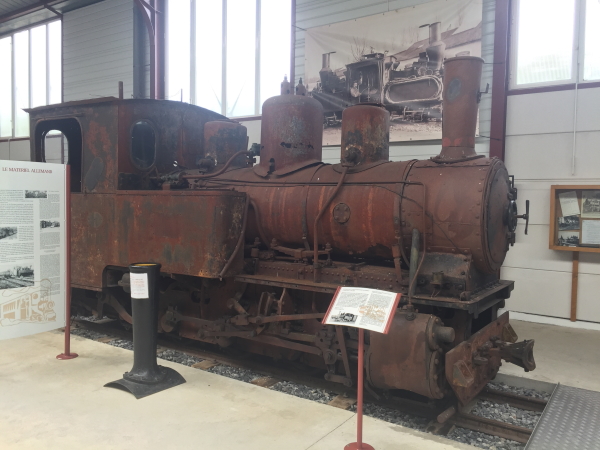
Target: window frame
[(577, 56), (11, 35), (257, 56), (155, 150)]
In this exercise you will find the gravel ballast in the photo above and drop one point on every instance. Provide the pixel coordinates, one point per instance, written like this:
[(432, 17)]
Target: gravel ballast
[(87, 334), (236, 373), (179, 357), (299, 390)]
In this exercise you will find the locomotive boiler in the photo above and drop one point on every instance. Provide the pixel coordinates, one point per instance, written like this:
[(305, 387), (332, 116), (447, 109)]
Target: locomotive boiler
[(252, 252)]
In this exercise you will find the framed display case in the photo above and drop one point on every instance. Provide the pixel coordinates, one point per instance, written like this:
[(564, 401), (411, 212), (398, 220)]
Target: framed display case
[(575, 218)]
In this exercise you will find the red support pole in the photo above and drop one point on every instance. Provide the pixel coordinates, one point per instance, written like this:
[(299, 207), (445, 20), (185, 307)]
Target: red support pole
[(359, 445), (67, 354)]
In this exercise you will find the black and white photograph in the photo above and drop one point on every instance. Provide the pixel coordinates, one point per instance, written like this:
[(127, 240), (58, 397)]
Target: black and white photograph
[(344, 317), (394, 59), (568, 223), (568, 238), (16, 276), (36, 194), (49, 224), (8, 233), (590, 204)]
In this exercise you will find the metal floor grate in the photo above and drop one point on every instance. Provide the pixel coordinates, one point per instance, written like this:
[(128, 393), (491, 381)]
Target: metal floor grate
[(571, 421)]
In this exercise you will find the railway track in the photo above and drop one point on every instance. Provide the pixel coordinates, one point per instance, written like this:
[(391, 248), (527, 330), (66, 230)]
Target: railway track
[(442, 419)]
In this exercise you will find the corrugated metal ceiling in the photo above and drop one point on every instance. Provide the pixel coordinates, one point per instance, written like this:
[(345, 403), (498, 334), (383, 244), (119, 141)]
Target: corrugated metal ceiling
[(8, 6)]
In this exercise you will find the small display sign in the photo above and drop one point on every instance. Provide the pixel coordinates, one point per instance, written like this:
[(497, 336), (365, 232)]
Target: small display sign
[(370, 309), (139, 285)]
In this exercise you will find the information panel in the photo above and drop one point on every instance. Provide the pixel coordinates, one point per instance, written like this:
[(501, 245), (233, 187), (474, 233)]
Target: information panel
[(32, 248), (370, 309)]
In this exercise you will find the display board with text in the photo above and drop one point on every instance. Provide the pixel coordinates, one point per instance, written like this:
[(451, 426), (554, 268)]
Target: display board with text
[(32, 248)]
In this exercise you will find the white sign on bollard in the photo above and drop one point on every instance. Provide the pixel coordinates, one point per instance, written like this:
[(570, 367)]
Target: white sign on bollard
[(32, 248), (138, 283)]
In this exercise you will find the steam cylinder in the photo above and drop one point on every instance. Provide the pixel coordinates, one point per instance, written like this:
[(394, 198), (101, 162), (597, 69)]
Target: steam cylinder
[(291, 134), (365, 134)]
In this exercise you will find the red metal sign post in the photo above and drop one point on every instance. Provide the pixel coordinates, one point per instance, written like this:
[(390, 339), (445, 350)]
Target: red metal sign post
[(67, 353), (362, 308), (359, 444)]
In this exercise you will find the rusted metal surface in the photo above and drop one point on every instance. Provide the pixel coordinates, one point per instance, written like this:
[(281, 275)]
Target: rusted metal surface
[(458, 220), (291, 134), (472, 363), (365, 134), (462, 79), (410, 356), (189, 232), (224, 139)]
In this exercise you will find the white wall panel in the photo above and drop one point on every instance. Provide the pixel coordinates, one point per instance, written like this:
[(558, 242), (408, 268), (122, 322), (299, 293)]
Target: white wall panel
[(588, 303), (587, 154), (588, 105), (98, 50), (539, 151), (589, 263), (531, 251), (15, 150), (539, 157), (539, 113), (542, 292)]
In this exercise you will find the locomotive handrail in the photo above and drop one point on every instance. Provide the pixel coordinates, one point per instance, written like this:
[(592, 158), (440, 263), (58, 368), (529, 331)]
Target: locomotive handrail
[(241, 239), (321, 212)]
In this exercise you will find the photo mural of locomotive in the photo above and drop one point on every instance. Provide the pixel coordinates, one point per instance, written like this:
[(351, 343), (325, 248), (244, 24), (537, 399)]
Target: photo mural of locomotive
[(391, 60), (252, 252)]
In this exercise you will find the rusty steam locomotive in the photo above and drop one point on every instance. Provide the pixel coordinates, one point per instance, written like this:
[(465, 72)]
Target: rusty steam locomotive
[(252, 253)]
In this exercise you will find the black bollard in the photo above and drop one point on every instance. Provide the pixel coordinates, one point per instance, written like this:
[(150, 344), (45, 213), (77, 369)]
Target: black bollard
[(146, 377)]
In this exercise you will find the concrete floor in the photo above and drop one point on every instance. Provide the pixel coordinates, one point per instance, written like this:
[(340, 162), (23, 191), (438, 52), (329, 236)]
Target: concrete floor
[(48, 404), (51, 404), (563, 355)]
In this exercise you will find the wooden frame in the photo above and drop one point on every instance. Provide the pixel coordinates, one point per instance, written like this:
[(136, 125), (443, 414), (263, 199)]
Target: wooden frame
[(556, 212)]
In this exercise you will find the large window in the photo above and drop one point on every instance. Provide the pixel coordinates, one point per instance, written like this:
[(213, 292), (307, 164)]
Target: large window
[(555, 42), (30, 75), (228, 56)]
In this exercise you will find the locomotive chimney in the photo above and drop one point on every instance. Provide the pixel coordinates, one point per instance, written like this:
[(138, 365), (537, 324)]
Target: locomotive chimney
[(436, 49), (326, 60), (435, 32), (462, 78)]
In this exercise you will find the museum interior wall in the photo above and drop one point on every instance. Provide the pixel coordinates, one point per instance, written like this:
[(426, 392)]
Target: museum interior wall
[(99, 51), (539, 151)]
